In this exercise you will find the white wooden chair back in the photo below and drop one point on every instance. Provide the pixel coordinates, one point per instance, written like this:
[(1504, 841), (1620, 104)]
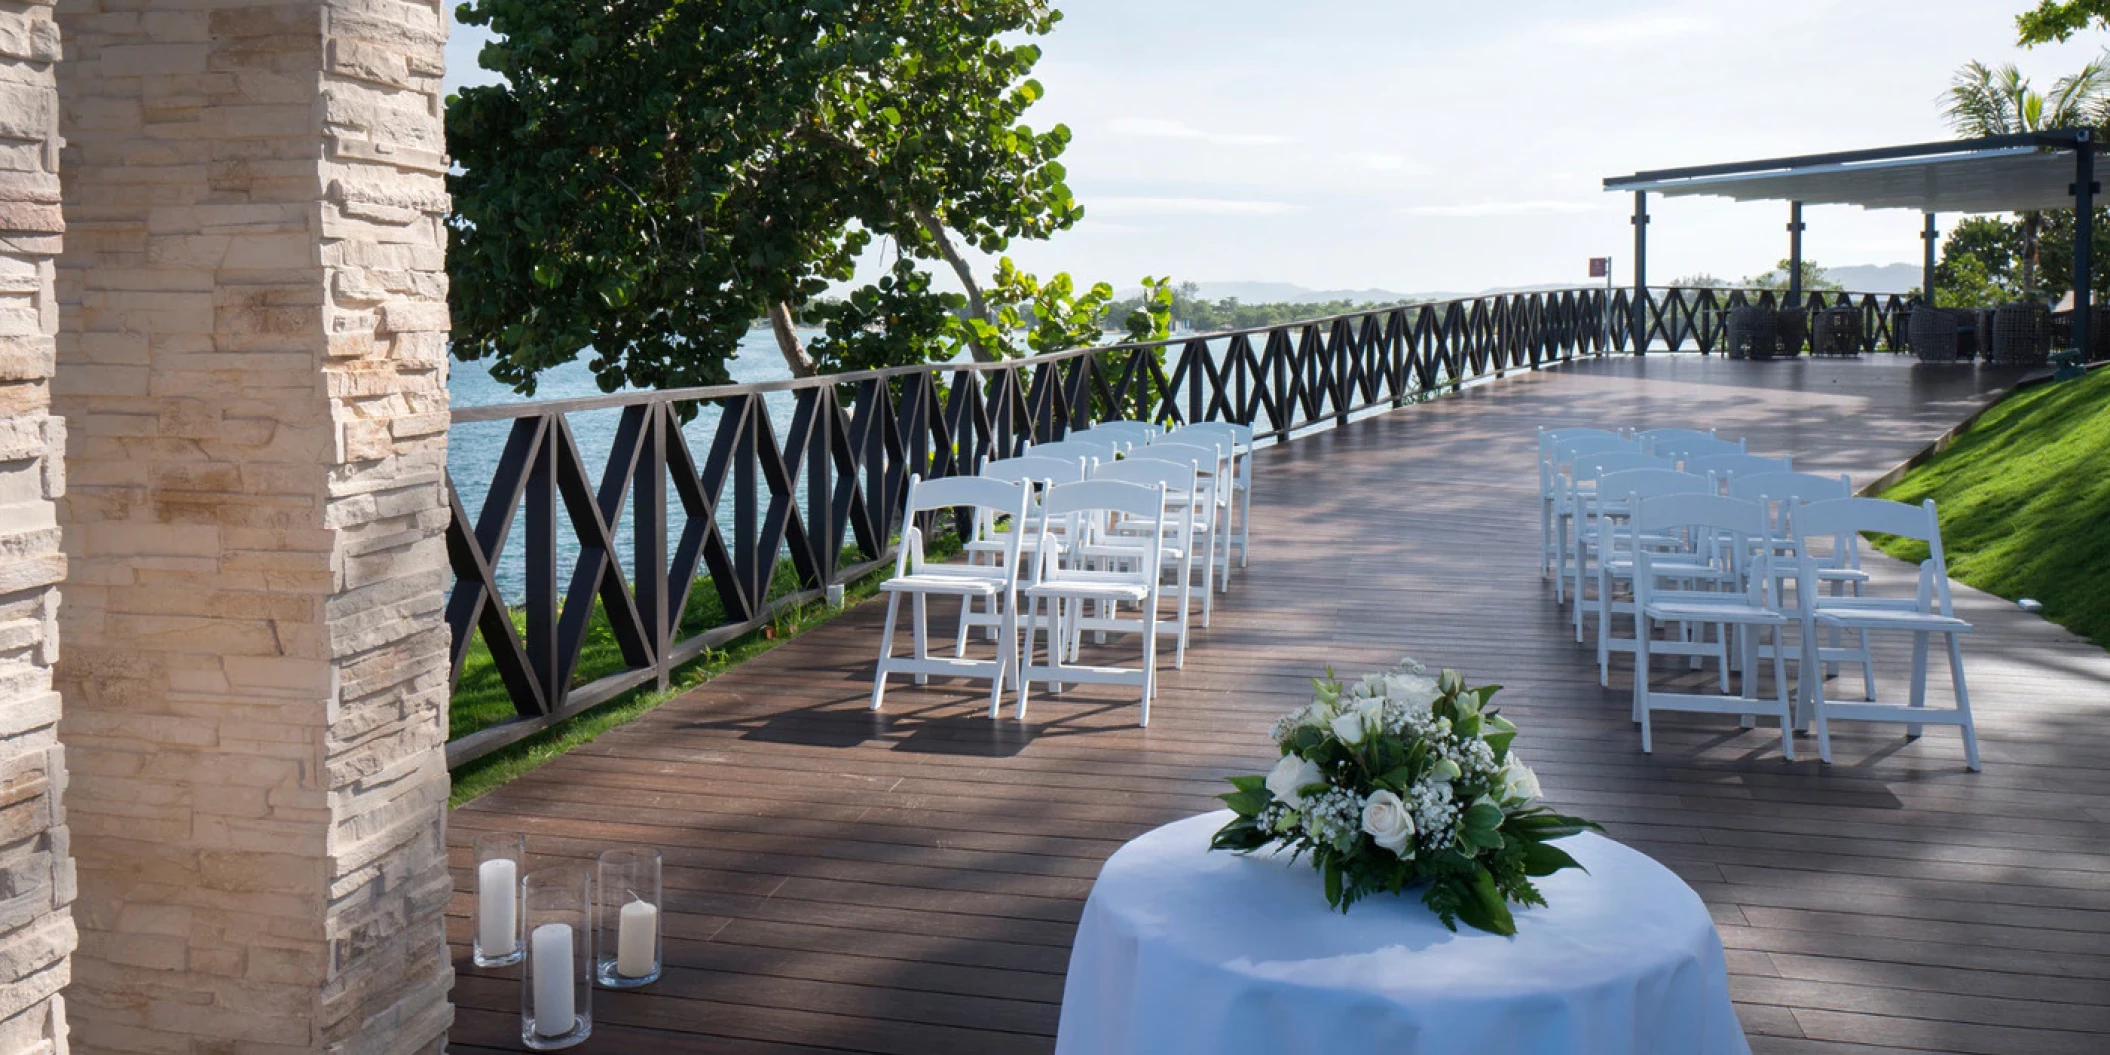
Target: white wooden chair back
[(1126, 434), (1728, 467), (1089, 448), (1853, 517)]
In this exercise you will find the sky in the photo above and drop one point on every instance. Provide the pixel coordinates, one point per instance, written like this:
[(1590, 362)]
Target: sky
[(1446, 146)]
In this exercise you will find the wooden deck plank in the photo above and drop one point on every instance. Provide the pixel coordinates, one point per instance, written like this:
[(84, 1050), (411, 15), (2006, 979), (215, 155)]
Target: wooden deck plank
[(909, 881)]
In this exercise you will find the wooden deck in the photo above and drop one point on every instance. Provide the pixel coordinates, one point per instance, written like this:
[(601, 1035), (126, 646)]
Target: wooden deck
[(909, 882)]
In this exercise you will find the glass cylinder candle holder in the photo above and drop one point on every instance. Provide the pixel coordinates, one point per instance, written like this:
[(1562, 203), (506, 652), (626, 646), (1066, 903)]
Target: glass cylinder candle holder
[(500, 860), (628, 893), (556, 985)]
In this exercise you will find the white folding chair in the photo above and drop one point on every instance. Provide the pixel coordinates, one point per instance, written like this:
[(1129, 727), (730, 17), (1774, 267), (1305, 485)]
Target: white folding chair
[(1208, 506), (1237, 441), (1066, 582), (1557, 473), (1930, 611), (918, 580), (1175, 554), (1685, 452), (1615, 562), (1550, 489), (1126, 434), (1668, 440), (1726, 527), (1838, 571), (1727, 467), (988, 539), (1090, 449), (1586, 505)]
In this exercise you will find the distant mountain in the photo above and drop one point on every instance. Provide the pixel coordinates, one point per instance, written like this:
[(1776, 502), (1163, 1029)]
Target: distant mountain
[(1860, 278), (1876, 278)]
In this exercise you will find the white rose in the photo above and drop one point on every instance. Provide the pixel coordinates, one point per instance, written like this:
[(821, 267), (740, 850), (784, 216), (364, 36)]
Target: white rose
[(1519, 783), (1291, 774), (1413, 690), (1349, 727), (1318, 713), (1385, 819)]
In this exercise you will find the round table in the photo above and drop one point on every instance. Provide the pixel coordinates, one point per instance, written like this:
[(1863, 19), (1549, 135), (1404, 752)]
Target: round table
[(1186, 950)]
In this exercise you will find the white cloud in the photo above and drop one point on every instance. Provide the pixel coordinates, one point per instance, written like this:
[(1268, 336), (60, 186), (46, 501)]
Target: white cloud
[(1632, 29), (1501, 208), (1154, 128), (1185, 207), (1386, 163)]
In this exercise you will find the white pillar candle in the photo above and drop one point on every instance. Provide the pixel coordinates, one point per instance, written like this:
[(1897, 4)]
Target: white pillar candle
[(497, 900), (634, 939), (549, 947)]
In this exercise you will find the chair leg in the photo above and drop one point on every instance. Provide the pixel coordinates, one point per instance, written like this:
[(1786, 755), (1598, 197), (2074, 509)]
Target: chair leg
[(1150, 654), (921, 614), (1963, 704), (1025, 655), (1868, 668), (1780, 687), (1545, 535), (1245, 522), (1604, 626), (886, 650), (1209, 583), (1179, 660), (959, 645), (1006, 652), (1919, 680), (1560, 558), (1747, 653), (1641, 664)]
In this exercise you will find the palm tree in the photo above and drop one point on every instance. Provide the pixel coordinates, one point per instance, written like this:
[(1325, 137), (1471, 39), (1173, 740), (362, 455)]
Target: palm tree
[(1983, 101)]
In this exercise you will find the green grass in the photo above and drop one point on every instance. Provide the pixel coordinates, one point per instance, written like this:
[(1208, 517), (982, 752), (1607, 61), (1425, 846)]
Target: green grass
[(480, 698), (2023, 498)]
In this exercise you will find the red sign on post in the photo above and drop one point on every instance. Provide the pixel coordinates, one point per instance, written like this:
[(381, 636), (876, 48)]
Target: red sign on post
[(1600, 267)]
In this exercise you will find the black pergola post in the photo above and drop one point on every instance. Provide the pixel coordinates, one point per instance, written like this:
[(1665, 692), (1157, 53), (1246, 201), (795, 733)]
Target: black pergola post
[(1637, 314), (1927, 266), (1794, 254), (2084, 189)]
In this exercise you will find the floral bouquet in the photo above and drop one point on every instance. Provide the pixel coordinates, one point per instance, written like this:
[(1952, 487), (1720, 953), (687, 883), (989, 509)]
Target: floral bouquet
[(1402, 779)]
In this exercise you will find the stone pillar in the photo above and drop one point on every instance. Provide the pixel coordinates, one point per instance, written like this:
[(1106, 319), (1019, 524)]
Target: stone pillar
[(253, 337), (36, 876)]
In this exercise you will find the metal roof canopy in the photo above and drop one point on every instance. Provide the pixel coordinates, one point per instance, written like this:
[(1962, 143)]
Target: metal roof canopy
[(2028, 171), (1994, 174)]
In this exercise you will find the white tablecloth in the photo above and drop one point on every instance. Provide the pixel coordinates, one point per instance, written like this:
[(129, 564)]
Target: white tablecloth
[(1187, 951)]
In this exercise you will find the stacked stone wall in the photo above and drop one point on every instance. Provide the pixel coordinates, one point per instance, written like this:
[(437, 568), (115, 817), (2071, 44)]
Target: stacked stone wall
[(36, 874), (253, 332)]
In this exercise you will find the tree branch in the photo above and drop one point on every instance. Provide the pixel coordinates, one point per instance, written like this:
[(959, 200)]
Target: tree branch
[(976, 305), (795, 356)]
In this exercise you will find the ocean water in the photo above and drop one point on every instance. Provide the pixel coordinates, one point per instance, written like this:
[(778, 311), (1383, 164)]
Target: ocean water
[(474, 448)]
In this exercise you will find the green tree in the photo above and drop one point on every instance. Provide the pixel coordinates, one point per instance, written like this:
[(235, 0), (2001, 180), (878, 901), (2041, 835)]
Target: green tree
[(655, 174), (1813, 278), (2058, 20), (1985, 101)]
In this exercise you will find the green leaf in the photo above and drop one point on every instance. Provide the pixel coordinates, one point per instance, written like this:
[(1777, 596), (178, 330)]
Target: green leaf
[(1249, 783), (1483, 816), (1544, 859), (1485, 909)]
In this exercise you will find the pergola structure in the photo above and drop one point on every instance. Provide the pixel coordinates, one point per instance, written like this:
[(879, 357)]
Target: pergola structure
[(2012, 173)]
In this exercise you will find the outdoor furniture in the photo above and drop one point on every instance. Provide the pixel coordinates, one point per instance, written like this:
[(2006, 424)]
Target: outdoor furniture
[(998, 585), (1738, 533), (1186, 951), (1793, 330), (1929, 612), (1240, 450), (1837, 331), (1065, 580), (1550, 493), (1560, 463), (1937, 334), (1753, 331), (2021, 334), (1621, 490)]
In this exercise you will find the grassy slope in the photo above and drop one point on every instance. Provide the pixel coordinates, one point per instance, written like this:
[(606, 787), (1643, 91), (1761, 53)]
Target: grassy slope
[(2024, 497)]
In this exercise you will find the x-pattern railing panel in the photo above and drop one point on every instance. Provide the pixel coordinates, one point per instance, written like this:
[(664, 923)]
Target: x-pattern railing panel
[(820, 500)]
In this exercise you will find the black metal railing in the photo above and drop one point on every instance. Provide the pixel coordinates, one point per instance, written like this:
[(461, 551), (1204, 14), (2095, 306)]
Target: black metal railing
[(826, 491)]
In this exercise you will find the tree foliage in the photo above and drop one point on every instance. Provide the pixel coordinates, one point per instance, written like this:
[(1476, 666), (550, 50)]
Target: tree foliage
[(2058, 20), (1981, 260), (1991, 101), (1814, 277), (653, 175)]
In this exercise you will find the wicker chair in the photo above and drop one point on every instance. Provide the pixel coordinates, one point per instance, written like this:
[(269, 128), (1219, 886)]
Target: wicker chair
[(2021, 335), (1935, 334), (1793, 331), (1753, 329), (1837, 332)]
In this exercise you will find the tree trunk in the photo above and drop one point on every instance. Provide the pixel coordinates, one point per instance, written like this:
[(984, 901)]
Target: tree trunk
[(2029, 253), (788, 342), (976, 306)]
